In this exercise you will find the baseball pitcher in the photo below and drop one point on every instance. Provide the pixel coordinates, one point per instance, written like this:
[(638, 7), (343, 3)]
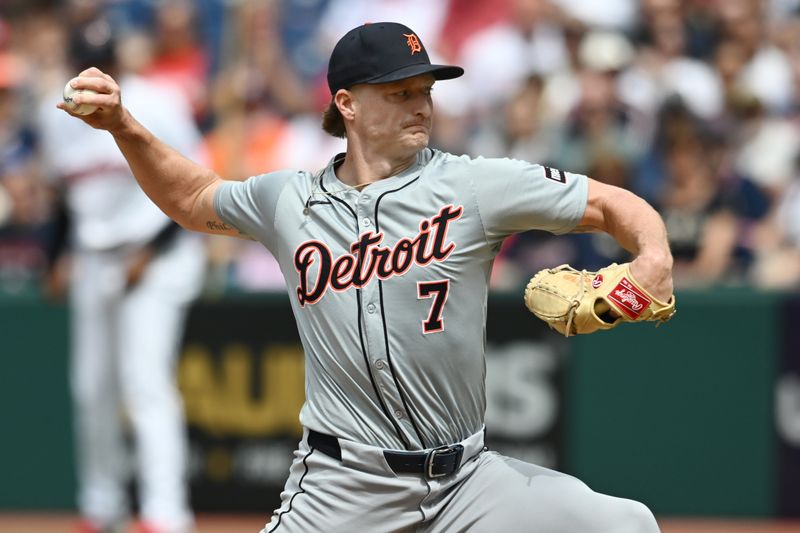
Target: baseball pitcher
[(387, 253)]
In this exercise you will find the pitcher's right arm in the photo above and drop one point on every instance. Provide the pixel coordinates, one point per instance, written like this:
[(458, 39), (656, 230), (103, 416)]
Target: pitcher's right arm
[(180, 187)]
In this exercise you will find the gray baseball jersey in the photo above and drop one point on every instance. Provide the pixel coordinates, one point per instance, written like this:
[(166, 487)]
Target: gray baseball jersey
[(389, 284)]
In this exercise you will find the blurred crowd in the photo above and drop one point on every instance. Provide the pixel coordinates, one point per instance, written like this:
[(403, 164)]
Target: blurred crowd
[(692, 104)]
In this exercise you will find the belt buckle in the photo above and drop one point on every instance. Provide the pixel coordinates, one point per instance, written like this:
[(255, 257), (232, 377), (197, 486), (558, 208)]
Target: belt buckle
[(458, 449)]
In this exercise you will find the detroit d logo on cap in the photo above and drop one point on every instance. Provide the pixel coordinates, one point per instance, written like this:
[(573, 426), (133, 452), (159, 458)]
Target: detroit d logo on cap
[(413, 43)]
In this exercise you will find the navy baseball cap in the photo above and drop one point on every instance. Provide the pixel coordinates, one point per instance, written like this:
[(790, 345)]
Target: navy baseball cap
[(381, 52)]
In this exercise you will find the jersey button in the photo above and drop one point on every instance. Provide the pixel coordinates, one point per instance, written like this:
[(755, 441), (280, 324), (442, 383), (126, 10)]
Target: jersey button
[(364, 197), (398, 413), (379, 364), (371, 308), (366, 222)]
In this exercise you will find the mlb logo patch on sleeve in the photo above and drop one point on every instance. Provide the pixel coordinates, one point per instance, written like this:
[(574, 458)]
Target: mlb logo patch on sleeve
[(555, 174)]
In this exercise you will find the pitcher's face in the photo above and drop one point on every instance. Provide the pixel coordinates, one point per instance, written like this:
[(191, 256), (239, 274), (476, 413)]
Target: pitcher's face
[(396, 117)]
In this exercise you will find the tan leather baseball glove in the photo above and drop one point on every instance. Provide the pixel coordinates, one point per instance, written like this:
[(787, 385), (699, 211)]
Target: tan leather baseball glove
[(576, 301)]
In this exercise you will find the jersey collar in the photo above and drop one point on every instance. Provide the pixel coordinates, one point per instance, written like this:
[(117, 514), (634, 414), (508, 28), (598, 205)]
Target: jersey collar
[(332, 182)]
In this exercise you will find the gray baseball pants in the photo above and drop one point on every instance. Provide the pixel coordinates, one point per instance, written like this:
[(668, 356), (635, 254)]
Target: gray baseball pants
[(490, 493)]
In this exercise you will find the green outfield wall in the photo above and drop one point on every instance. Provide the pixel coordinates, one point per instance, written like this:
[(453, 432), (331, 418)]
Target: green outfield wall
[(681, 416), (688, 417)]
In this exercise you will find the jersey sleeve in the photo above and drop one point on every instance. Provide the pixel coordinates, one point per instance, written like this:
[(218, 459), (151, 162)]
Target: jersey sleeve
[(515, 196), (250, 205)]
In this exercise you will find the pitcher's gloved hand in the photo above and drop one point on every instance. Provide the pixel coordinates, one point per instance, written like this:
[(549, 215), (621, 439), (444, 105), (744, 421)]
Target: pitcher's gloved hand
[(573, 301)]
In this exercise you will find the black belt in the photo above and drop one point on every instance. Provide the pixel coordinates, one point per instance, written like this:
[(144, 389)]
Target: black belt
[(436, 463)]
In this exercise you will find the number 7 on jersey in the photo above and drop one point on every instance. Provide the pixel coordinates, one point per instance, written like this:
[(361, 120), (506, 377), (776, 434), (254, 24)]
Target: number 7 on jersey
[(437, 290)]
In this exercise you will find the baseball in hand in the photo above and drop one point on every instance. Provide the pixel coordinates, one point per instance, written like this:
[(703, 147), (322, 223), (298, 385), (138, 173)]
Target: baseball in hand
[(82, 109)]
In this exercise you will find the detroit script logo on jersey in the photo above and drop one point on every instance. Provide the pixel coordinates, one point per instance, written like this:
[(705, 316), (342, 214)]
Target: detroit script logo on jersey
[(368, 258)]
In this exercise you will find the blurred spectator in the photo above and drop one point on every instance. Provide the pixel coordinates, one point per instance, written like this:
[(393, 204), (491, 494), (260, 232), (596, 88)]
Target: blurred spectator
[(261, 57), (299, 27), (518, 131), (133, 274), (703, 28), (16, 136), (24, 228), (765, 144), (777, 240), (663, 67), (708, 207), (179, 60), (767, 72), (702, 230), (499, 59), (778, 244), (24, 231), (769, 152), (45, 48), (600, 126)]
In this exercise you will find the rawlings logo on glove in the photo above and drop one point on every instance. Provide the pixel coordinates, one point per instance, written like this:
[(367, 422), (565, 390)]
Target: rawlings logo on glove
[(573, 301)]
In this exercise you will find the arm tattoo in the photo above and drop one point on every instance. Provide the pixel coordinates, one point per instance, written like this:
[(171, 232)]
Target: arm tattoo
[(216, 225)]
